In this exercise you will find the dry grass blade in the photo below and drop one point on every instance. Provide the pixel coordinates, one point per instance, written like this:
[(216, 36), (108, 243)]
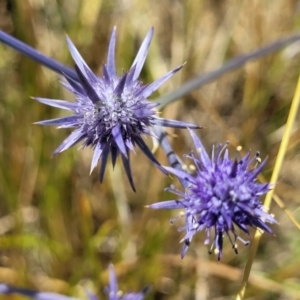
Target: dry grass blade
[(274, 178), (231, 273)]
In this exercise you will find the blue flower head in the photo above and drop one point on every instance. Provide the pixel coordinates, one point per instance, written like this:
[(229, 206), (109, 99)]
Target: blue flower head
[(112, 292), (222, 195), (112, 112)]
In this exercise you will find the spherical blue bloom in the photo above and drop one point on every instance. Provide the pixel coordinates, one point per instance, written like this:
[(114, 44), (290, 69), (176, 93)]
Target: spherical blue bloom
[(112, 291), (112, 112), (222, 194)]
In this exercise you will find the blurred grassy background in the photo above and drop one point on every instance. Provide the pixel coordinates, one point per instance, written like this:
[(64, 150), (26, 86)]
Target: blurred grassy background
[(60, 228)]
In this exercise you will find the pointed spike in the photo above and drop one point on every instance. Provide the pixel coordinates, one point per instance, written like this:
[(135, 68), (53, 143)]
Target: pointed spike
[(151, 88), (245, 161), (149, 154), (120, 86), (64, 122), (265, 216), (200, 149), (113, 284), (129, 79), (118, 139), (90, 92), (71, 140), (219, 244), (181, 174), (96, 156), (106, 76), (114, 155), (175, 123), (227, 218), (104, 162), (142, 54), (111, 67), (185, 248), (257, 170), (72, 106), (234, 169), (243, 227), (130, 145), (126, 164), (86, 71), (170, 204), (75, 85), (260, 224)]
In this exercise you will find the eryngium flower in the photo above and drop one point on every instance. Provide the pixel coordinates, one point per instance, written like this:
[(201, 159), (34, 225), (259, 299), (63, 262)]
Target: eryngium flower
[(222, 193), (112, 291), (111, 113)]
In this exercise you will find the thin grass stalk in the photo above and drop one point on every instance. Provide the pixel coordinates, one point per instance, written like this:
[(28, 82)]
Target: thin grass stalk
[(274, 178)]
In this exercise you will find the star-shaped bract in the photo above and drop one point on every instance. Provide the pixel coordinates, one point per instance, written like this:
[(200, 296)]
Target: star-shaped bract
[(222, 193), (112, 113)]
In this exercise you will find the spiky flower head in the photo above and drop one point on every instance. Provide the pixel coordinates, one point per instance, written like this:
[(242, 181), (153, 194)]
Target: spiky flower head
[(112, 112), (222, 195), (112, 291)]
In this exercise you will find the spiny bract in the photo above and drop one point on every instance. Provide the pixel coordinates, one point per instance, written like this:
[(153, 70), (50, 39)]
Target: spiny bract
[(223, 192), (111, 113)]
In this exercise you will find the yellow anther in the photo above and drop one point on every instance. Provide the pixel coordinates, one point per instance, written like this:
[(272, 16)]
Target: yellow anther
[(192, 167)]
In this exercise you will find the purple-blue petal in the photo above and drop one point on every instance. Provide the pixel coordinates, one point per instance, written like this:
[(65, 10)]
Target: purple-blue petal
[(142, 54)]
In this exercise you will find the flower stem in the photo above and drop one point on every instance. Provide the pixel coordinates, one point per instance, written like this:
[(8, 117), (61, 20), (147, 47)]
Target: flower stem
[(167, 148), (274, 178)]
